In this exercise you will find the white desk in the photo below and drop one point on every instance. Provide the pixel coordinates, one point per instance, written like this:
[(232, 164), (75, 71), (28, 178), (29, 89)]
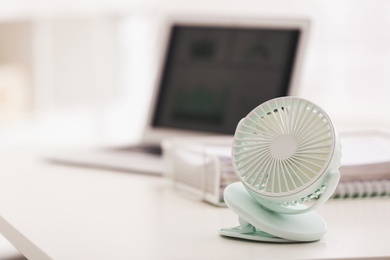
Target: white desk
[(58, 212)]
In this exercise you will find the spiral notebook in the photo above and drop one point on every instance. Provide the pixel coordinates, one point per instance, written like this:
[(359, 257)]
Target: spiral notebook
[(365, 167), (202, 166)]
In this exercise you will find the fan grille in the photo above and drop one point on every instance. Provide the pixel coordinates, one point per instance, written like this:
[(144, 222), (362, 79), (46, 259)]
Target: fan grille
[(282, 146)]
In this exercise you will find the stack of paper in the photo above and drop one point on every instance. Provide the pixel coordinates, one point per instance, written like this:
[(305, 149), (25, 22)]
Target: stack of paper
[(202, 166), (365, 165)]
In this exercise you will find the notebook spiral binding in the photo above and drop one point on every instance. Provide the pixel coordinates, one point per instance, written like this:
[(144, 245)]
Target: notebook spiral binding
[(362, 189)]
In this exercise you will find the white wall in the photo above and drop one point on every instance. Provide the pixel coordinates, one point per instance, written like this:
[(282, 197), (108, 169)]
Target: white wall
[(104, 56)]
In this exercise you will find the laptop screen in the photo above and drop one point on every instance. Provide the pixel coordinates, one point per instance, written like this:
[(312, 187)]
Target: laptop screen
[(214, 76)]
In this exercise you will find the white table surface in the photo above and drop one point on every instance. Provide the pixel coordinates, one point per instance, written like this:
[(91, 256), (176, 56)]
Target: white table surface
[(60, 212)]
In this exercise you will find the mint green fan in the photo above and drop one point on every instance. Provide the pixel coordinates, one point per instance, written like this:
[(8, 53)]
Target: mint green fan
[(286, 153)]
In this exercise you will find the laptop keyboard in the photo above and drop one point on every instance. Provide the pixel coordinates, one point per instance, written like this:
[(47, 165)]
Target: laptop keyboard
[(143, 148)]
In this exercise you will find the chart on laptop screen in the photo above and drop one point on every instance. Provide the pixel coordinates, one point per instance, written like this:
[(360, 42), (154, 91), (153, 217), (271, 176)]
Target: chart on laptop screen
[(214, 75)]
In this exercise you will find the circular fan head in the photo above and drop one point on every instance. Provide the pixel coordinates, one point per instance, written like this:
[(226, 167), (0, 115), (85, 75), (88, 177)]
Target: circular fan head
[(283, 149)]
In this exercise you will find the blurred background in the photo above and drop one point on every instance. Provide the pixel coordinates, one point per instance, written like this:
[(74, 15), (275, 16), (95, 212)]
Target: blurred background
[(83, 71)]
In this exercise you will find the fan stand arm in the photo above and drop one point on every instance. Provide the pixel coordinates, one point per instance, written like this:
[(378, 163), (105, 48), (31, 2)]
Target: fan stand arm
[(333, 181)]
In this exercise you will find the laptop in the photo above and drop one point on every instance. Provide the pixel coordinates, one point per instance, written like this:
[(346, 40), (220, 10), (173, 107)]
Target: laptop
[(212, 73)]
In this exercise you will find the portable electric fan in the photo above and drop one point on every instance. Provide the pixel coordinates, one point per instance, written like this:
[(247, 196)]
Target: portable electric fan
[(286, 153)]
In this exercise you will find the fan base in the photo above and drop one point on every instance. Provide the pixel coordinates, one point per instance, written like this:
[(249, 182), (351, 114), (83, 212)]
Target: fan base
[(255, 235), (260, 224)]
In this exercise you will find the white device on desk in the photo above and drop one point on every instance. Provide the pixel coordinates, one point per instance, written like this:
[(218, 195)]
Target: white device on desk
[(287, 155), (212, 71)]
